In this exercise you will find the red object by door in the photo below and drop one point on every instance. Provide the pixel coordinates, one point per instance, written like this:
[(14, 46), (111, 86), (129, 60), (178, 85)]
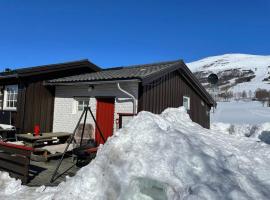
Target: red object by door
[(104, 118), (37, 130)]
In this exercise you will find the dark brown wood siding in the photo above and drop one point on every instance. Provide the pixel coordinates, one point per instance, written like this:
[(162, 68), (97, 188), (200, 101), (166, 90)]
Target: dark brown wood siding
[(168, 91), (35, 103), (35, 108)]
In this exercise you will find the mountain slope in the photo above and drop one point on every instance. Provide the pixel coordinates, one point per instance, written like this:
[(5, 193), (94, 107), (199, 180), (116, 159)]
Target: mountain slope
[(236, 72)]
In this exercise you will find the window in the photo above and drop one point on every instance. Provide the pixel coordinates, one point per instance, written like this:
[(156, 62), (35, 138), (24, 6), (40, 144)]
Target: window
[(1, 96), (82, 103), (186, 102), (10, 97), (202, 103)]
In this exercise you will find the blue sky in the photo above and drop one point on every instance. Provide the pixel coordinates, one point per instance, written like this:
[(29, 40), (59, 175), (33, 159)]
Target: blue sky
[(116, 33)]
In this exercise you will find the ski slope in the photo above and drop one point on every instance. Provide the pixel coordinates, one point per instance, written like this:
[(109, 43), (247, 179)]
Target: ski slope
[(260, 65)]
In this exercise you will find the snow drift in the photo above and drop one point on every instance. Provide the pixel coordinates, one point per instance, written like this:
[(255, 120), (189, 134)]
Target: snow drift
[(163, 156)]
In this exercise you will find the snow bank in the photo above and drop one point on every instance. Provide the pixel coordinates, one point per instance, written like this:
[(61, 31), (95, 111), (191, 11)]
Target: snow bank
[(163, 156), (259, 131)]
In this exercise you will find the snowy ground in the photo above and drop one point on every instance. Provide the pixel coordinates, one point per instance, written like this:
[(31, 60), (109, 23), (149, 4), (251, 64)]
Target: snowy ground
[(163, 156), (248, 119), (241, 112)]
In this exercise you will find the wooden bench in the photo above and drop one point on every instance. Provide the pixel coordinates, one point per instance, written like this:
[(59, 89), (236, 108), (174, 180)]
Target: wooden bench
[(15, 159)]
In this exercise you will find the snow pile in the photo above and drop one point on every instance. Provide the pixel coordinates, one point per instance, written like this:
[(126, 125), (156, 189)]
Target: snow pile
[(163, 156)]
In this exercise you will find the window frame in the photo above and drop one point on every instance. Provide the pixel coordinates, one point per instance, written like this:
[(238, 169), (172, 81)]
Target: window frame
[(13, 100), (188, 102), (83, 99)]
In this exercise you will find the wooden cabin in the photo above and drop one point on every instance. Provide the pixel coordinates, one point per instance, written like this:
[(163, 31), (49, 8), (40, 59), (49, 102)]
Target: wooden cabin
[(25, 101), (116, 94), (54, 96)]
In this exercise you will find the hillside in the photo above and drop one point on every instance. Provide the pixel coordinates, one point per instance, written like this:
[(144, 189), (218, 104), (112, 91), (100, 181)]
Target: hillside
[(236, 72)]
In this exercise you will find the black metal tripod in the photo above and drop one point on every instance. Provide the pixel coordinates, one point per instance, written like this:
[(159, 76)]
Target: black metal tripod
[(84, 113)]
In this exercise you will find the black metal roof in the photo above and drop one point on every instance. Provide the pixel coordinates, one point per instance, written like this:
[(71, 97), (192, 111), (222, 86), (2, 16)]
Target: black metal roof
[(145, 73), (45, 69), (140, 72)]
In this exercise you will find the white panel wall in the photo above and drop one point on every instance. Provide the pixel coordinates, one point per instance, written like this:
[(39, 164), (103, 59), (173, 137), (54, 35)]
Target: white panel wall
[(66, 114)]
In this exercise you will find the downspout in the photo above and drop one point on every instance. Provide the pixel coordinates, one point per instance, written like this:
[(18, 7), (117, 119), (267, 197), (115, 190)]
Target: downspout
[(130, 95)]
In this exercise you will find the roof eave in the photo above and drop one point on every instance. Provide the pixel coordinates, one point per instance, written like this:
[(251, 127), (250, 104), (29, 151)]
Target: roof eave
[(87, 82), (57, 67)]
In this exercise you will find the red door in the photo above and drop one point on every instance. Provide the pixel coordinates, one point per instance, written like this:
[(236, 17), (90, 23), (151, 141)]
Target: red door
[(105, 118)]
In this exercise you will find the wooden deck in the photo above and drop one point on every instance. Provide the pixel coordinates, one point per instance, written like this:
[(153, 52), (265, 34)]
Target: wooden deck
[(41, 172)]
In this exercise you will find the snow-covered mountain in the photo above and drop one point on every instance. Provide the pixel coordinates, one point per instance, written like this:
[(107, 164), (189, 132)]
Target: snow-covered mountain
[(236, 72)]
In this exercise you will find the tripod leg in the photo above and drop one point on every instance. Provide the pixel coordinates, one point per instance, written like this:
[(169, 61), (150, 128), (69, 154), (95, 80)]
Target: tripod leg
[(72, 138), (85, 117), (101, 134)]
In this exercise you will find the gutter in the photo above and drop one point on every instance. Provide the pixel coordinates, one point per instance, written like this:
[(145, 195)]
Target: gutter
[(90, 82), (130, 95)]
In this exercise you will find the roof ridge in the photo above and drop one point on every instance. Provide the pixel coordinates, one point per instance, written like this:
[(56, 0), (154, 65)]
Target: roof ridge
[(145, 65), (134, 71), (17, 70), (52, 64)]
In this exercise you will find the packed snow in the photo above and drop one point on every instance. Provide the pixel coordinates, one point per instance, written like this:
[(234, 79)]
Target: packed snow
[(260, 65), (164, 156)]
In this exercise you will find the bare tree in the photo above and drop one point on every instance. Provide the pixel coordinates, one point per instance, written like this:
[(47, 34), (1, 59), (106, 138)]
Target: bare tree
[(244, 94), (262, 95), (238, 96), (250, 94), (226, 95)]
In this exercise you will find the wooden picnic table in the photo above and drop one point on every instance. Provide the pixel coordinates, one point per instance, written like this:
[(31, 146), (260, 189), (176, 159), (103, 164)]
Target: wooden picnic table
[(43, 139)]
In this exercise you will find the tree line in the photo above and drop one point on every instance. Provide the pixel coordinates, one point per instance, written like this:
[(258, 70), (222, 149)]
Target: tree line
[(261, 95)]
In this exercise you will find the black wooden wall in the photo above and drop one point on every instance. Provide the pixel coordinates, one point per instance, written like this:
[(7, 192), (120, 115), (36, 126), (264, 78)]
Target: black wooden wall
[(35, 108), (36, 100), (35, 103), (168, 91)]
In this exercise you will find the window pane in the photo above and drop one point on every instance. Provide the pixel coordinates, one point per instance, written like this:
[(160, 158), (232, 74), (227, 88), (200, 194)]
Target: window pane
[(8, 103), (11, 92), (186, 102), (82, 103), (80, 107)]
